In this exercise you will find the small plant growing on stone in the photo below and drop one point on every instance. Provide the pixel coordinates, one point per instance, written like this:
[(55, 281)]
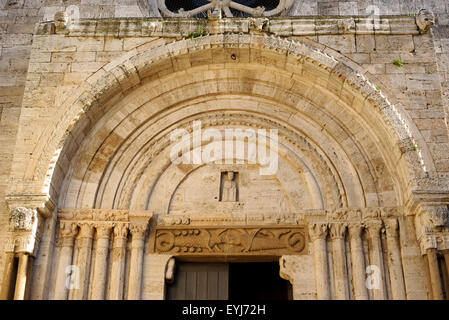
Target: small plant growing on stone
[(415, 148), (398, 63), (377, 88), (200, 32)]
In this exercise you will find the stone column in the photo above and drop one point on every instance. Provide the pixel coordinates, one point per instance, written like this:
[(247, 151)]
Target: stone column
[(337, 233), (100, 268), (358, 262), (446, 260), (318, 234), (394, 260), (7, 279), (116, 281), (377, 258), (135, 275), (435, 278), (22, 274), (67, 238), (83, 260)]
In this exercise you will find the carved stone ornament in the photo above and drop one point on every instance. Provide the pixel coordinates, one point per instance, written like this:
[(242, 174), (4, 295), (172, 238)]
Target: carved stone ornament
[(258, 24), (438, 217), (225, 6), (425, 20), (22, 219), (274, 241)]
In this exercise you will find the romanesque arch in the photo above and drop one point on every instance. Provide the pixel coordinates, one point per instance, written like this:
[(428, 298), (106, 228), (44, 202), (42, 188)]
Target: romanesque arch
[(346, 154)]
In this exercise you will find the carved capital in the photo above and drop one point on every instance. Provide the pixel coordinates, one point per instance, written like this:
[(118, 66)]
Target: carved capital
[(438, 217), (391, 226), (68, 231), (22, 219), (338, 230), (355, 230), (318, 231), (138, 231), (121, 231), (425, 19), (103, 230), (86, 230), (373, 228)]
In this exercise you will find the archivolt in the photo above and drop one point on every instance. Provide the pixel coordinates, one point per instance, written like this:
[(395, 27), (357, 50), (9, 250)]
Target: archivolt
[(358, 105)]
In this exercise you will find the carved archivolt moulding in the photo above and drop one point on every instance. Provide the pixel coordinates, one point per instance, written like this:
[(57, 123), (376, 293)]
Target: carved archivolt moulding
[(233, 241), (214, 7)]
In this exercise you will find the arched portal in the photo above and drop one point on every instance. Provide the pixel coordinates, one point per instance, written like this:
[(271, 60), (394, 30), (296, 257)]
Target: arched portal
[(343, 152)]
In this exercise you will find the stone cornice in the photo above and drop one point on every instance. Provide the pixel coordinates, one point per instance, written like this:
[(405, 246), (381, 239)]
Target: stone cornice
[(282, 26), (351, 215), (105, 215)]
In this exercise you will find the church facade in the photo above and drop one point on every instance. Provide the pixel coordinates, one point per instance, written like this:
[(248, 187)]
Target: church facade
[(176, 149)]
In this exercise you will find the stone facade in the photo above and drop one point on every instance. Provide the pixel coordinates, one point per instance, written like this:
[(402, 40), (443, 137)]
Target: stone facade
[(357, 90)]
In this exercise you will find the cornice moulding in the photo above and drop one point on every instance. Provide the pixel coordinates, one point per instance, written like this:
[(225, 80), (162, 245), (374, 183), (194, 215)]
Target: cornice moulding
[(281, 26)]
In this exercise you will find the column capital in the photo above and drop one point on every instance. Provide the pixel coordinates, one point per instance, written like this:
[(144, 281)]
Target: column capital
[(391, 226), (121, 230), (338, 230), (318, 231), (67, 233), (355, 230), (86, 230), (373, 227), (103, 230), (138, 231)]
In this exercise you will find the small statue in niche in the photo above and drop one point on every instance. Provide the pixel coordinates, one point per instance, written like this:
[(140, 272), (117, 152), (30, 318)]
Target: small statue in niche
[(229, 188)]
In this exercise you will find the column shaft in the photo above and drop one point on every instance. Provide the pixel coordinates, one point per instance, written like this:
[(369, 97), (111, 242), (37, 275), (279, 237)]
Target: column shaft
[(62, 282), (8, 280), (318, 233), (358, 263), (394, 261), (379, 292), (83, 260), (435, 278), (116, 281), (136, 264), (100, 269), (337, 232), (22, 277)]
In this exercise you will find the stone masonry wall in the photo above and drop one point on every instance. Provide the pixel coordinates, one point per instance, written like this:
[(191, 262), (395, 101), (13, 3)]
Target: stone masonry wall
[(417, 84)]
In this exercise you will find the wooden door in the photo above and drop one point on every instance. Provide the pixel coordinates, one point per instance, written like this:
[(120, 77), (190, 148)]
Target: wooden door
[(199, 281)]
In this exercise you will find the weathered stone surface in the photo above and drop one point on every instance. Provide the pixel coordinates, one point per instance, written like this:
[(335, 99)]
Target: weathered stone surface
[(360, 103)]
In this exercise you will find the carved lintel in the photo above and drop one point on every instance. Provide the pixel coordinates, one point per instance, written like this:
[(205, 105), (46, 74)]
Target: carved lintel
[(425, 19), (275, 241)]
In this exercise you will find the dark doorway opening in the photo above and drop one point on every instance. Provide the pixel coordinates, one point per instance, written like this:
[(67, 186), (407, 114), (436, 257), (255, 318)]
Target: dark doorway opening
[(258, 281), (228, 281)]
